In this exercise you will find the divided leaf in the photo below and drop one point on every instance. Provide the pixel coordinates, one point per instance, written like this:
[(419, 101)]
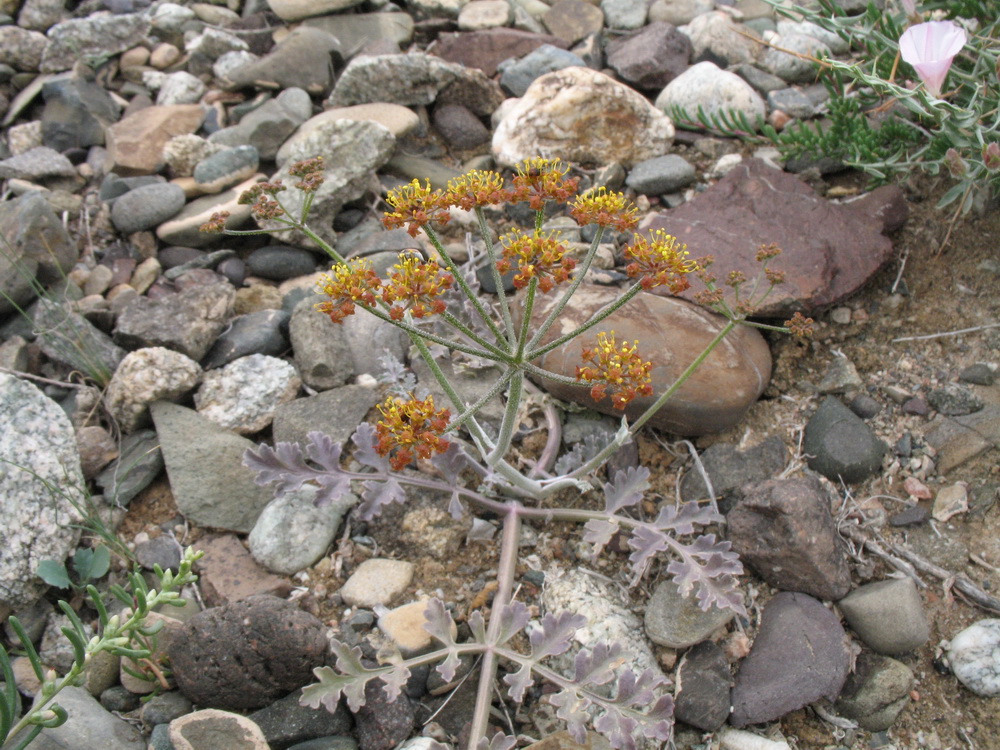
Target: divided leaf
[(500, 741), (514, 617), (626, 488), (376, 494), (365, 453), (439, 624), (285, 465)]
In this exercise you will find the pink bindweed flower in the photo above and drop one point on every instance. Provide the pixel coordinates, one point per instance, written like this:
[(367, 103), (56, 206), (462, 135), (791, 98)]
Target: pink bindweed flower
[(929, 48)]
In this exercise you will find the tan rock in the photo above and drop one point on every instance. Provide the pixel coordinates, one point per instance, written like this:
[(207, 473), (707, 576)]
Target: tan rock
[(671, 334), (135, 143), (405, 626), (582, 116)]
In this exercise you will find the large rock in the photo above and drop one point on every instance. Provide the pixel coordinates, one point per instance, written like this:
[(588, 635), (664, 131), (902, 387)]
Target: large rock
[(302, 60), (146, 375), (714, 91), (782, 529), (211, 486), (487, 48), (829, 249), (94, 36), (582, 116), (41, 485), (650, 58), (247, 654), (34, 244), (800, 655), (671, 334)]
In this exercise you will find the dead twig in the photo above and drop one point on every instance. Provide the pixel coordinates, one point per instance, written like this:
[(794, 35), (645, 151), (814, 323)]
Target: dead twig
[(946, 333), (957, 581)]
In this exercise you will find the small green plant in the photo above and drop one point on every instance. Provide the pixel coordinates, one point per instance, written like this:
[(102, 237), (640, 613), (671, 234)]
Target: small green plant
[(89, 564), (120, 634), (435, 303), (931, 69)]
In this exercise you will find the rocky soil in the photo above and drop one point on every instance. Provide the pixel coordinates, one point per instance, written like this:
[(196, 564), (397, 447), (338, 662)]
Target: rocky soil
[(858, 469)]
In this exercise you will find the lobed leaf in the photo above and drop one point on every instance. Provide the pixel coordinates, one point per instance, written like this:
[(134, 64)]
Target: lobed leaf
[(599, 533), (395, 680), (597, 666), (519, 682), (555, 634), (378, 493), (514, 617), (365, 453), (499, 741), (451, 462), (683, 519), (646, 542), (571, 707), (626, 488), (439, 624), (285, 466)]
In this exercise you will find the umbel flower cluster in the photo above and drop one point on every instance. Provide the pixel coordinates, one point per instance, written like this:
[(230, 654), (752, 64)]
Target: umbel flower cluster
[(437, 303)]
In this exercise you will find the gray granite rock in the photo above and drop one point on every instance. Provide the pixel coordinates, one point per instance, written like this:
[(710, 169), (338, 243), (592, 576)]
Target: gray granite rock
[(782, 529), (791, 67), (210, 485), (800, 655), (68, 337), (887, 615), (292, 533), (840, 445), (954, 400), (38, 450), (243, 395), (715, 91), (21, 48), (95, 36), (322, 354), (717, 38), (268, 126), (36, 164)]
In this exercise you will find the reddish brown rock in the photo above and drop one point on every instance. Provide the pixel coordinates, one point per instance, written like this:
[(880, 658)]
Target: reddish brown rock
[(229, 574), (782, 529), (488, 48), (650, 58), (830, 249), (671, 334), (135, 143)]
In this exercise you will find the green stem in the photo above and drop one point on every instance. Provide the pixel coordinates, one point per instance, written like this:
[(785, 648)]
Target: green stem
[(412, 330), (498, 354), (598, 317), (491, 258), (509, 418), (460, 280), (574, 285), (483, 400)]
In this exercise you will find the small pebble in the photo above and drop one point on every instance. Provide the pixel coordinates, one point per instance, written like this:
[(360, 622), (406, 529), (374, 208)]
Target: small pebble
[(916, 406), (978, 374)]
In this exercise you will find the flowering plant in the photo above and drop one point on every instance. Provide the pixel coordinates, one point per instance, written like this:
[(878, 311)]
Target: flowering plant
[(417, 295), (947, 125)]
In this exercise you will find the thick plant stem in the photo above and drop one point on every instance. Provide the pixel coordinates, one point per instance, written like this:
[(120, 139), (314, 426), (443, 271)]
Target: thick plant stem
[(505, 585), (491, 255), (509, 418)]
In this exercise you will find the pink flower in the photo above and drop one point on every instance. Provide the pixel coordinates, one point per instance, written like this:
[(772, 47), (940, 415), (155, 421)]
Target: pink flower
[(929, 48)]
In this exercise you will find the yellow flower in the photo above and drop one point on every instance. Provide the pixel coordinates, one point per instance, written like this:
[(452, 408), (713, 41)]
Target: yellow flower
[(619, 368), (537, 256), (416, 284), (410, 427), (659, 261), (415, 206), (476, 188), (538, 180), (606, 209), (351, 282)]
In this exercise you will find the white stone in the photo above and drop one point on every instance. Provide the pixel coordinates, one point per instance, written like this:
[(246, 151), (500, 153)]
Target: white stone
[(717, 33), (377, 582), (795, 68), (485, 14), (395, 118), (582, 116), (180, 88), (974, 656), (715, 91), (243, 395)]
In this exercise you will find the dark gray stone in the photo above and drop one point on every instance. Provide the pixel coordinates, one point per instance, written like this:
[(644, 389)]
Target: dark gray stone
[(650, 58), (261, 332), (703, 682), (226, 167), (459, 126), (76, 113), (800, 655), (164, 708), (954, 400), (68, 337), (118, 699), (163, 551), (782, 529), (978, 374), (662, 174), (517, 75), (280, 262), (729, 469), (792, 102), (382, 724), (336, 413), (840, 445), (247, 654), (676, 621), (762, 81), (864, 406), (287, 722), (147, 207), (139, 463), (888, 616)]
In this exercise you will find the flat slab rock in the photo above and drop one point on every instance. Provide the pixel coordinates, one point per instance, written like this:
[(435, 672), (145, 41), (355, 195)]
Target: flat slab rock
[(799, 656), (830, 249)]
